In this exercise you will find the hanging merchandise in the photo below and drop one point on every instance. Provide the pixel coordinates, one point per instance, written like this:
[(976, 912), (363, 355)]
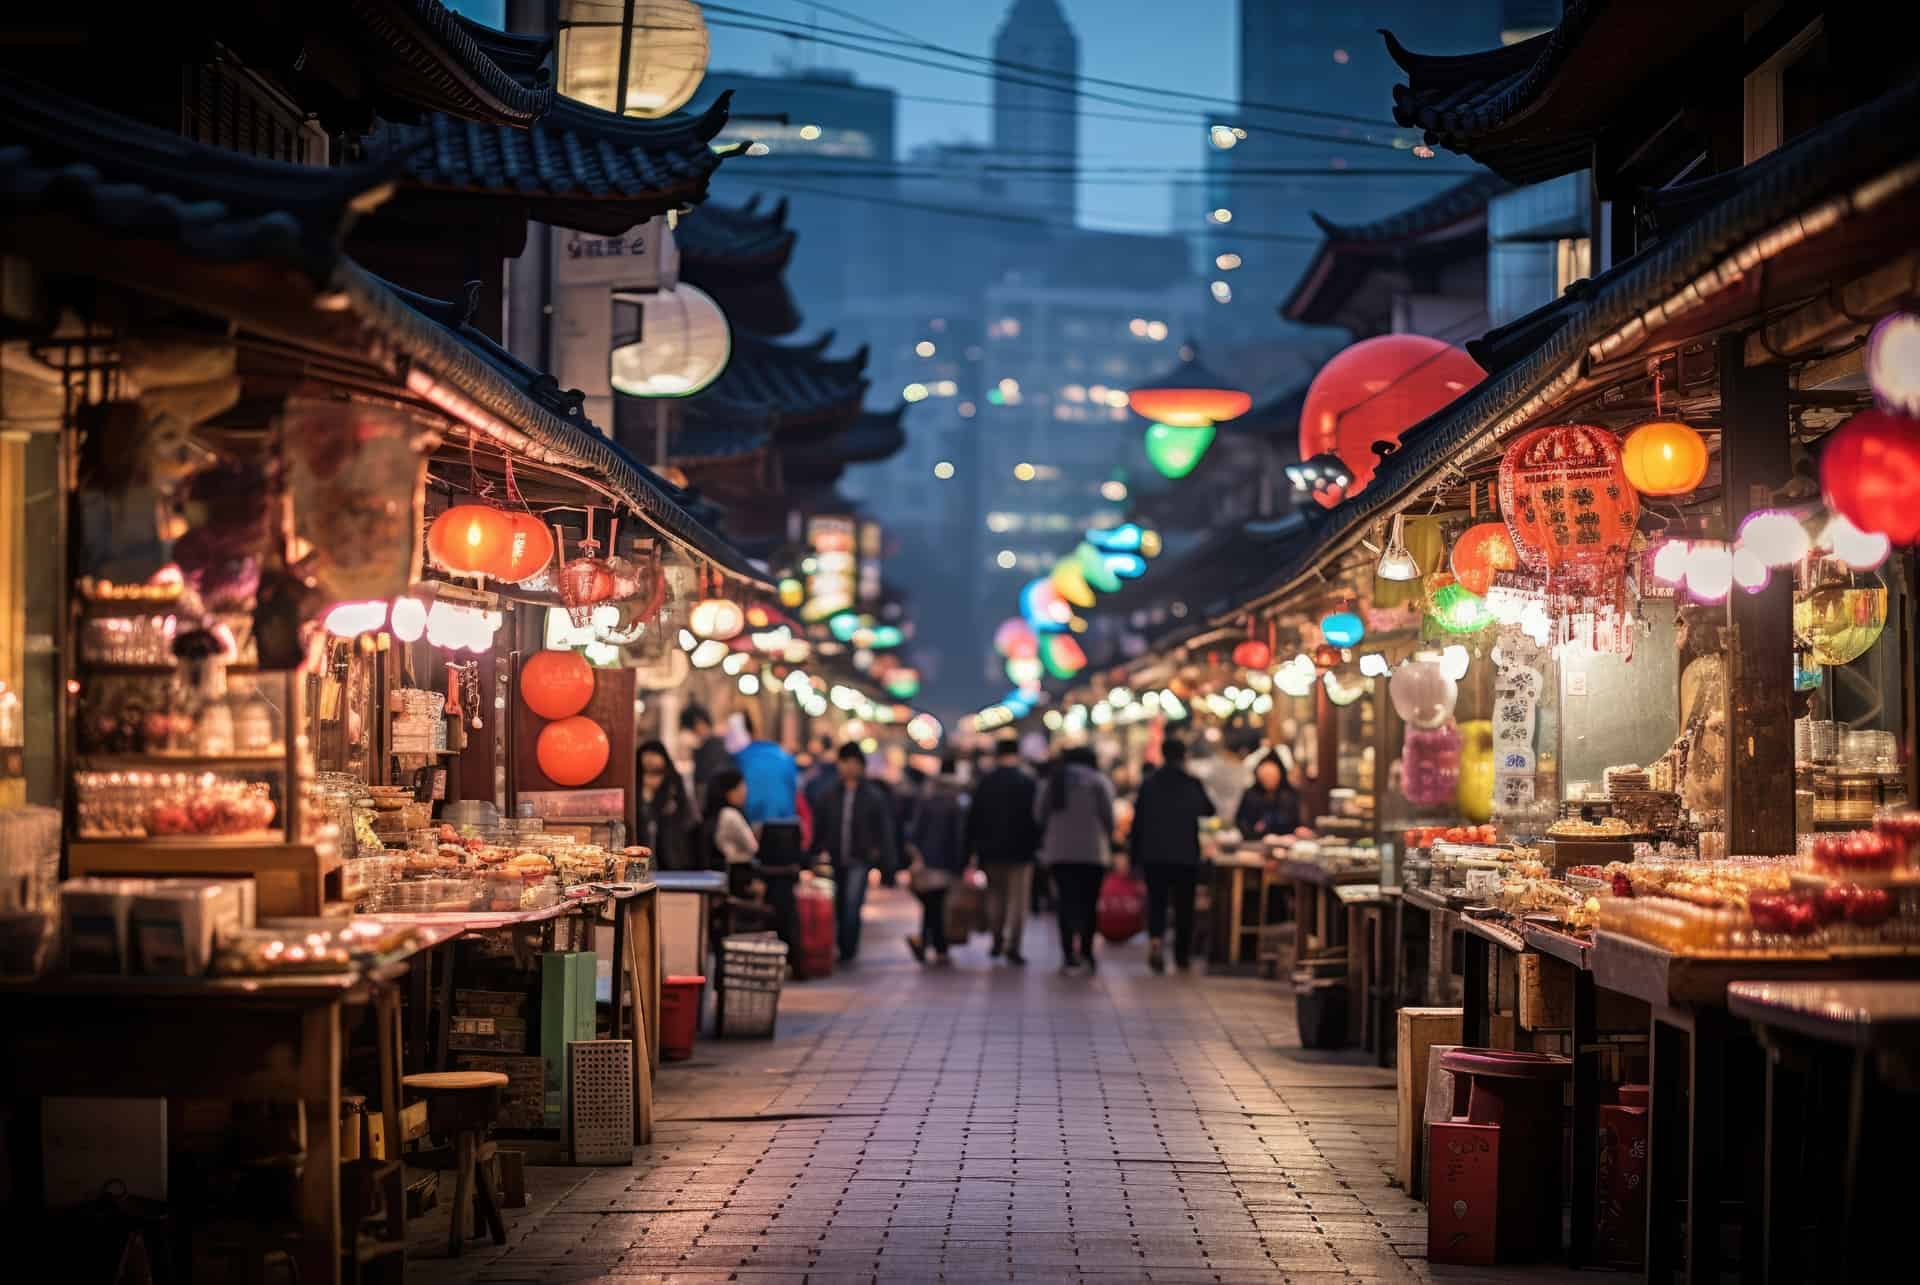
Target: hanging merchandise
[(572, 752), (1456, 610), (1474, 796), (1361, 402), (1421, 692), (1572, 512), (1175, 449), (1480, 552), (1430, 765), (1839, 615), (1870, 473), (556, 684), (1342, 694), (1416, 548), (1327, 657), (1893, 362), (587, 580)]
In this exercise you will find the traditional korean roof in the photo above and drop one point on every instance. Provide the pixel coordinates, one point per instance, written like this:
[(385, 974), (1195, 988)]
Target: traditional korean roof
[(256, 242), (576, 166), (1435, 227), (739, 255), (421, 52), (807, 389), (1532, 110), (877, 435), (1832, 203), (701, 442)]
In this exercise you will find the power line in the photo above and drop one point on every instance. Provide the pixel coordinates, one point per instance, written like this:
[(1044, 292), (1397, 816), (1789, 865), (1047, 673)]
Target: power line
[(1070, 90), (1133, 173), (912, 41)]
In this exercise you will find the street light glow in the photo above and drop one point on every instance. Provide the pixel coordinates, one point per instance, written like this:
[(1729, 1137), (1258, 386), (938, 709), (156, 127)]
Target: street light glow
[(924, 348), (943, 470), (1024, 472), (1226, 262), (1221, 215), (1005, 559), (1113, 491)]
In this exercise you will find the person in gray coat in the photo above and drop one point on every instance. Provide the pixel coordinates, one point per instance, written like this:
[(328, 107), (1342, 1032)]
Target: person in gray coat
[(1075, 814)]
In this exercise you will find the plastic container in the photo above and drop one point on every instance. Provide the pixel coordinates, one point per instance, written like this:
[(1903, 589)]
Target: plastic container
[(679, 1016)]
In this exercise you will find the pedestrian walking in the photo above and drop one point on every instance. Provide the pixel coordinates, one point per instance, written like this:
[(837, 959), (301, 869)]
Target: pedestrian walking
[(665, 814), (1075, 813), (937, 848), (710, 753), (1165, 848), (855, 830), (773, 782), (1270, 805), (1003, 836)]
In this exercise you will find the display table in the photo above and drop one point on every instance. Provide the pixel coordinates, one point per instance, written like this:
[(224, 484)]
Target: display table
[(1235, 879), (231, 1039), (635, 913), (686, 904)]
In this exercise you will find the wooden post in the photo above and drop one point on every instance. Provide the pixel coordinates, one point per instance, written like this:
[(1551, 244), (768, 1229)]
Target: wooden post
[(1327, 742), (1755, 460)]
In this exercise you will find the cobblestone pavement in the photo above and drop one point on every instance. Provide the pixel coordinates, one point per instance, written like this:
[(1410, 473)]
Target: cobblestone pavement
[(985, 1123)]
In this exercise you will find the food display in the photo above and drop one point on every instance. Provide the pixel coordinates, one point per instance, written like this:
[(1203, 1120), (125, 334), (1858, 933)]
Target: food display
[(497, 868), (139, 805), (303, 946), (1601, 828)]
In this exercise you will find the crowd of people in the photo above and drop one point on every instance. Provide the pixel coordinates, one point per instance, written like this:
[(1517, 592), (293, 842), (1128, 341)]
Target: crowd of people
[(764, 815)]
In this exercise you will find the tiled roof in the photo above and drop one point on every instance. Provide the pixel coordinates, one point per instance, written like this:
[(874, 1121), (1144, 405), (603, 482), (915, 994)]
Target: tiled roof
[(802, 384), (717, 442), (1532, 110), (875, 436), (1858, 166), (1436, 227), (739, 256), (421, 52), (1442, 216), (577, 166)]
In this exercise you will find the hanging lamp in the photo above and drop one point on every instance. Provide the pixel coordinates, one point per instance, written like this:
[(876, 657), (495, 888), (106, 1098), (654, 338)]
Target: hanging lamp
[(1396, 562)]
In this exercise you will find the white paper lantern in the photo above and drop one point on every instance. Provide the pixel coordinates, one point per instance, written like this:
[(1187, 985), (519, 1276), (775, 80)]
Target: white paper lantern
[(665, 48), (668, 343)]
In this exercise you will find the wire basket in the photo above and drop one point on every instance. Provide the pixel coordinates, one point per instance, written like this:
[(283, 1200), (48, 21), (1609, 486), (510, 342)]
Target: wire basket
[(748, 1011), (753, 957), (753, 967)]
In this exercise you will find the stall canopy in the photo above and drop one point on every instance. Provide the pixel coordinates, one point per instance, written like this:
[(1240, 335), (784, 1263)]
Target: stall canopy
[(1774, 233)]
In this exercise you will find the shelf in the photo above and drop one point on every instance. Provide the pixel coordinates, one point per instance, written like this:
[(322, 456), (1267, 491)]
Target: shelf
[(94, 668), (252, 839), (162, 761)]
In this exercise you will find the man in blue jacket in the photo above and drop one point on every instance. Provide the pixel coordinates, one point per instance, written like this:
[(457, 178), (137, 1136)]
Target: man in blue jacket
[(773, 779)]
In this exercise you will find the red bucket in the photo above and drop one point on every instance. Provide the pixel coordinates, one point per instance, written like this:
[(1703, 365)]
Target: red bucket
[(679, 1016)]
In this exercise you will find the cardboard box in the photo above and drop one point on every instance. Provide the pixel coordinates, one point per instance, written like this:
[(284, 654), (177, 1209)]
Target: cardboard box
[(176, 924), (94, 924), (1620, 1187), (490, 1003), (1419, 1030), (566, 1014), (1463, 1187), (487, 1034)]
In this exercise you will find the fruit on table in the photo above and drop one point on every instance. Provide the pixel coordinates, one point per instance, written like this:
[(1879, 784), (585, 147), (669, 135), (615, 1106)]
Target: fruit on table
[(1835, 900), (1870, 907)]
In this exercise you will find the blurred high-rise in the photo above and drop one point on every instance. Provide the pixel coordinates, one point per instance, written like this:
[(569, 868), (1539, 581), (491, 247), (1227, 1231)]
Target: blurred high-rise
[(1035, 122)]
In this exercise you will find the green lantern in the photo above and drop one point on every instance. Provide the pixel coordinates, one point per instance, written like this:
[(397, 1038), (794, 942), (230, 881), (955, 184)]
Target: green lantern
[(1459, 610), (1175, 449), (1093, 565)]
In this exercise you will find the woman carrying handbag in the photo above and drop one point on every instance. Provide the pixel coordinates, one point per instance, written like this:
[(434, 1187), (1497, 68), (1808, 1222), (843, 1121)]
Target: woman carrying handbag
[(937, 846)]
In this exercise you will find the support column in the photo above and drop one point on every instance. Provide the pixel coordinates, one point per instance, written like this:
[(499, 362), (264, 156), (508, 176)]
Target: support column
[(1755, 460)]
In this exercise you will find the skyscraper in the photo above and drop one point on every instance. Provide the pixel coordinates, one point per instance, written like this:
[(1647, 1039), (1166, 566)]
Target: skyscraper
[(1035, 125)]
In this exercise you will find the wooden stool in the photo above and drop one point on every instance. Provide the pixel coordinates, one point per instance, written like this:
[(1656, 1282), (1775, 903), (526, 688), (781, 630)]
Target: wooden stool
[(462, 1105)]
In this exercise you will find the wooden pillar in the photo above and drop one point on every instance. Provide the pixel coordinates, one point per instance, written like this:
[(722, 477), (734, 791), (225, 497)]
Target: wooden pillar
[(1327, 751), (1756, 459)]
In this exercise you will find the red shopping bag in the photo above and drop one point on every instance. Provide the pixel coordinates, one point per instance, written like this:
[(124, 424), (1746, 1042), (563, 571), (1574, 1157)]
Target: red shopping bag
[(1122, 908)]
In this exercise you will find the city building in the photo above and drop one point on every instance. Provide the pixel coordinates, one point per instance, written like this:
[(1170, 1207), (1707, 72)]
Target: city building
[(1035, 123)]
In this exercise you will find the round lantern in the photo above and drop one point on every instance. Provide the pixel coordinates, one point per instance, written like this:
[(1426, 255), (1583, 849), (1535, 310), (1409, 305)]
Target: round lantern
[(1870, 472), (1252, 653), (1174, 450), (1190, 396), (1839, 621), (470, 539), (1570, 509), (1327, 657), (572, 751), (1458, 610), (1376, 390), (529, 549), (1480, 553), (1062, 656), (717, 618), (1015, 637), (1893, 362), (1664, 457), (584, 583), (1422, 694), (663, 44), (556, 684), (667, 343), (1343, 628)]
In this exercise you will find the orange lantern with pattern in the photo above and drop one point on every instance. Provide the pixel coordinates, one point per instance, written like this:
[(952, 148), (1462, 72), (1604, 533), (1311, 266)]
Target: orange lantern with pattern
[(1664, 457), (1481, 552)]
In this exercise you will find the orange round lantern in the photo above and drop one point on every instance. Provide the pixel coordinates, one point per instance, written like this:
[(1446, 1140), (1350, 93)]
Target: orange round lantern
[(1664, 457), (556, 684), (1189, 397), (1327, 657), (470, 539), (1570, 509), (1253, 653), (1479, 553), (529, 549), (572, 751), (1376, 390)]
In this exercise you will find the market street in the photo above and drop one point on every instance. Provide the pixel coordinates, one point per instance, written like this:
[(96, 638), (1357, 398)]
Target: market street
[(986, 1123)]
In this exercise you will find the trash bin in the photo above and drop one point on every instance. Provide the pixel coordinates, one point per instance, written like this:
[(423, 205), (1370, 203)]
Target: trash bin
[(1523, 1097), (679, 1016)]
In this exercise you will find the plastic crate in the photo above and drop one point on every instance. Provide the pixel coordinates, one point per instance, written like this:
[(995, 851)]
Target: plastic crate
[(748, 1011), (753, 967), (753, 957)]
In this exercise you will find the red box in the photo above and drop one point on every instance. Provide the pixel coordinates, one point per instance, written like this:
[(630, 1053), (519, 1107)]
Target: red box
[(1463, 1193), (1620, 1187)]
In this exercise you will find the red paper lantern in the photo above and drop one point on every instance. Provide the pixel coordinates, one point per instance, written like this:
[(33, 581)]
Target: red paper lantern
[(572, 752), (1189, 397), (585, 582), (556, 684), (1376, 390), (1870, 471), (1479, 553), (529, 549), (470, 539), (1570, 510), (1252, 653)]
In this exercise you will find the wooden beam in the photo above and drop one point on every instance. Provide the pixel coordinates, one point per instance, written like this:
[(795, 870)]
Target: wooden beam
[(1756, 460), (1828, 316)]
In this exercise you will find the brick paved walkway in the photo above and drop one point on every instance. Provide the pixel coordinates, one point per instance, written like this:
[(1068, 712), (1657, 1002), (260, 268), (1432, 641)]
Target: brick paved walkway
[(989, 1124)]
